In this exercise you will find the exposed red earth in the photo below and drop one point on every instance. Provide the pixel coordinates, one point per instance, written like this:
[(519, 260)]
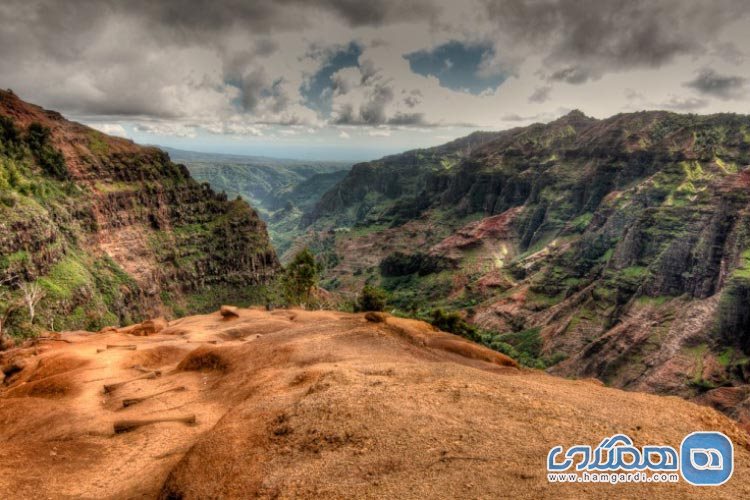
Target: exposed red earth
[(292, 403)]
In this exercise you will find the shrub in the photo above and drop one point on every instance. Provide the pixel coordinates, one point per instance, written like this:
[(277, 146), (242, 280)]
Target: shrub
[(50, 159), (453, 322), (300, 277), (371, 299), (9, 136), (401, 264)]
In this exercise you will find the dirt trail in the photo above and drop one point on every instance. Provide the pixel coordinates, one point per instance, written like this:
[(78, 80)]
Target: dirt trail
[(310, 404)]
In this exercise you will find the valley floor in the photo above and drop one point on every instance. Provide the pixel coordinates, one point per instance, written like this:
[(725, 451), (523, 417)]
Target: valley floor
[(292, 403)]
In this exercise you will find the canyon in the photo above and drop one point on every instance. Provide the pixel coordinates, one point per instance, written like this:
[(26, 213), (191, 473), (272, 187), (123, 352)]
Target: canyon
[(613, 248), (577, 258)]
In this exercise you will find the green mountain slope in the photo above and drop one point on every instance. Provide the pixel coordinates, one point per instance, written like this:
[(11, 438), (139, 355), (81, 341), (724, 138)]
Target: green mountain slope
[(613, 248), (112, 232)]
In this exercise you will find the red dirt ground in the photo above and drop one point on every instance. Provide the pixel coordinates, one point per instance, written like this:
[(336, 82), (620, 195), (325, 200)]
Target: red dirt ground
[(316, 404)]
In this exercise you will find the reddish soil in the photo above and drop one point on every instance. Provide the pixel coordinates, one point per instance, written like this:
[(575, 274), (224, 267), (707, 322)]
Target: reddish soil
[(497, 227), (295, 404)]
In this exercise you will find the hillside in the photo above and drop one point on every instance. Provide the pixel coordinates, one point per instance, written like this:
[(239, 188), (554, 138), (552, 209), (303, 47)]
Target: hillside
[(308, 405), (281, 190), (613, 248), (113, 232)]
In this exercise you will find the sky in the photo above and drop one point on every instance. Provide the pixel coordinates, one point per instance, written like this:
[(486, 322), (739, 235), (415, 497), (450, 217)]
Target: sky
[(355, 80)]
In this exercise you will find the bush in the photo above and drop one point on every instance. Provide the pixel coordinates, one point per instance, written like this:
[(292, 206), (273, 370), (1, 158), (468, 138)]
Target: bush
[(300, 277), (50, 159), (371, 299), (401, 264), (453, 322), (9, 136)]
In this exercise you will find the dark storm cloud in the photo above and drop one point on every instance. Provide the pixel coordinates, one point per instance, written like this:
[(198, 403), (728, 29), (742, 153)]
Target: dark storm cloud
[(316, 62), (52, 22), (540, 94), (572, 74), (711, 83), (377, 12), (38, 37), (583, 39), (193, 17)]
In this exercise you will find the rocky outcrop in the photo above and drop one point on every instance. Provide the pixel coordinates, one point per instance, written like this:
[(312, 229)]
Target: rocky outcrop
[(113, 231)]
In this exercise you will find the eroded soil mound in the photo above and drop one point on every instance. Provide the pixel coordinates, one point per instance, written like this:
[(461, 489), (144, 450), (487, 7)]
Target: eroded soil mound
[(313, 404)]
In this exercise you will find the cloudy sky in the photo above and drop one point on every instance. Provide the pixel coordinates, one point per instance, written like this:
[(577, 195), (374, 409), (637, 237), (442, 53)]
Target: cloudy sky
[(351, 79)]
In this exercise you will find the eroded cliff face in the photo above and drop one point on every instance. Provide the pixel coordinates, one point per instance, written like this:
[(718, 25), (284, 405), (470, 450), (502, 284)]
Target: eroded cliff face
[(113, 231), (612, 248)]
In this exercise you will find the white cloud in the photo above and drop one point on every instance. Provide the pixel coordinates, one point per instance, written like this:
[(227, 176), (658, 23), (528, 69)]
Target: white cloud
[(111, 129)]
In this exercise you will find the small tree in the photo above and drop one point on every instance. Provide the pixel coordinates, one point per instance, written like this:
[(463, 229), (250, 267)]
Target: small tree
[(8, 307), (32, 294), (300, 277), (454, 323), (371, 298)]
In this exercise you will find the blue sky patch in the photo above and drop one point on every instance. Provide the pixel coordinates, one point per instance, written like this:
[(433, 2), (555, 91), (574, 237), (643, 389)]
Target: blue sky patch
[(317, 91), (456, 66)]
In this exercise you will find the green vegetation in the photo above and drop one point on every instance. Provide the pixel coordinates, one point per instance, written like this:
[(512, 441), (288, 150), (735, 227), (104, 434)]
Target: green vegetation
[(282, 191), (726, 357), (210, 299), (300, 278), (65, 278), (371, 298), (637, 211), (580, 223), (401, 264), (97, 144), (453, 322), (524, 346), (50, 159), (414, 293), (201, 247), (634, 272)]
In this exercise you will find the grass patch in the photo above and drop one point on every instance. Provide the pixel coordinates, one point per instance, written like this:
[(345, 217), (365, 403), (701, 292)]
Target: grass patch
[(97, 143), (580, 223), (634, 272), (65, 278), (726, 357), (653, 301), (743, 270)]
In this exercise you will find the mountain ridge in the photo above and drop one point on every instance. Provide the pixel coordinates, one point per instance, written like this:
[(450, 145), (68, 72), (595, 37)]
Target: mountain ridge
[(114, 232), (613, 248)]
